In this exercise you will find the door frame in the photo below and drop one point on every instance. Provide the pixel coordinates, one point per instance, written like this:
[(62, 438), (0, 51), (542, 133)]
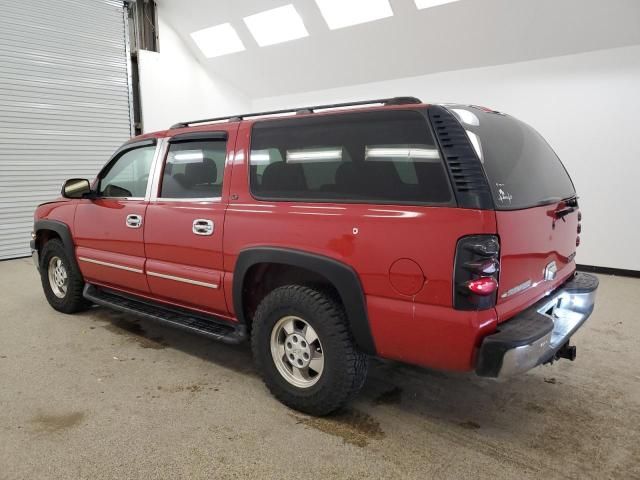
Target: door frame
[(222, 201)]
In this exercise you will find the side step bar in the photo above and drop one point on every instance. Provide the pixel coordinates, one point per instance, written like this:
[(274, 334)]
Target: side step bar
[(208, 326)]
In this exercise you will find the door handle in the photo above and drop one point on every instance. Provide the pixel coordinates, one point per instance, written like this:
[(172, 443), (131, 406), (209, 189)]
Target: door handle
[(134, 221), (202, 226)]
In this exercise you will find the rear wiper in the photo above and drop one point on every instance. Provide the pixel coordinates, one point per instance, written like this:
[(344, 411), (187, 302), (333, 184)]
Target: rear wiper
[(570, 205)]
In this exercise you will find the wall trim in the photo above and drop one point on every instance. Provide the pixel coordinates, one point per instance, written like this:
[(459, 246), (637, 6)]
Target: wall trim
[(621, 272)]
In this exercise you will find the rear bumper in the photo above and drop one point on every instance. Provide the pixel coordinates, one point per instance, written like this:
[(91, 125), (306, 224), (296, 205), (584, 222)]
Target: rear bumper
[(535, 335)]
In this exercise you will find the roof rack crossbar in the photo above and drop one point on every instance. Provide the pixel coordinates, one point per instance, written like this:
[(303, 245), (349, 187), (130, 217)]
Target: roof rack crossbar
[(300, 110)]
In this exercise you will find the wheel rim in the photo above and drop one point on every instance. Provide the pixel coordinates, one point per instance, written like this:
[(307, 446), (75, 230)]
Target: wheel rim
[(297, 351), (58, 277)]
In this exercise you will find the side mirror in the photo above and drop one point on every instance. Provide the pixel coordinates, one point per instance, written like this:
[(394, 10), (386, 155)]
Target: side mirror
[(76, 188)]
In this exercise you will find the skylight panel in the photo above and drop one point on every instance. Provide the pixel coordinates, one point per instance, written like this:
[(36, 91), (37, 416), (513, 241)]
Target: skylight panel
[(344, 13), (218, 40), (276, 25)]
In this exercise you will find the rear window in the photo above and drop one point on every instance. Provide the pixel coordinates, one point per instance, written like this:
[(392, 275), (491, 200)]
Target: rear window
[(382, 157), (522, 169)]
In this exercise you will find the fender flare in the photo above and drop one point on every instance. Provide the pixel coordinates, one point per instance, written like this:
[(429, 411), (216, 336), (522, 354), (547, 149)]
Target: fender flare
[(342, 276), (63, 231)]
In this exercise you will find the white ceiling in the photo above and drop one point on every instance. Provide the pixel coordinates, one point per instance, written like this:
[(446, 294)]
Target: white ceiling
[(463, 34)]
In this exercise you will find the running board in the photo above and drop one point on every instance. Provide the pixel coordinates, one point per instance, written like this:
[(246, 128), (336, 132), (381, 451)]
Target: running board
[(208, 326)]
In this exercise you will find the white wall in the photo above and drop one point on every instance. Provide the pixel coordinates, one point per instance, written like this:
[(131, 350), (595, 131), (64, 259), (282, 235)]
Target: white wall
[(587, 106), (174, 87)]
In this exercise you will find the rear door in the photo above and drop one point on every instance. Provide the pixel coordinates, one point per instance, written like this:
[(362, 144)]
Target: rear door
[(108, 230), (185, 219), (536, 207)]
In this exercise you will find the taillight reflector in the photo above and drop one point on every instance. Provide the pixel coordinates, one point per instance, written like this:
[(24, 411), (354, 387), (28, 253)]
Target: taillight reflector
[(483, 286)]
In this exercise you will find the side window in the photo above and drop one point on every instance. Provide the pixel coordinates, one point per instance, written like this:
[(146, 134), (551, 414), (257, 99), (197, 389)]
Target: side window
[(382, 157), (129, 175), (194, 169)]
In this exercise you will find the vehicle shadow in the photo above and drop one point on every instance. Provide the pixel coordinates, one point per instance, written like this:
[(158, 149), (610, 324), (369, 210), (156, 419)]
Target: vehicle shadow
[(461, 399)]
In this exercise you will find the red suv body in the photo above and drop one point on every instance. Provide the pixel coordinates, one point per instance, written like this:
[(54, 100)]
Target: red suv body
[(441, 236)]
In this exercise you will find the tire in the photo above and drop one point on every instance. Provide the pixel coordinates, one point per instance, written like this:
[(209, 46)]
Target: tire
[(63, 288), (282, 321)]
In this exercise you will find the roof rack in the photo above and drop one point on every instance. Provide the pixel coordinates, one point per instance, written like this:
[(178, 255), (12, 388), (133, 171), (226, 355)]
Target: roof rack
[(303, 110)]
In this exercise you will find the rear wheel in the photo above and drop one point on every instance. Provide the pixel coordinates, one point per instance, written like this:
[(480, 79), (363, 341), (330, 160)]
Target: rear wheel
[(61, 279), (304, 350)]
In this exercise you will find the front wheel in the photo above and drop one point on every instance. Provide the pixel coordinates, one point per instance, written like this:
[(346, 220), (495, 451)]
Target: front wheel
[(61, 279), (304, 351)]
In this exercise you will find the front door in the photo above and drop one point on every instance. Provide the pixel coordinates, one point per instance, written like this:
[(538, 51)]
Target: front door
[(108, 230), (185, 219)]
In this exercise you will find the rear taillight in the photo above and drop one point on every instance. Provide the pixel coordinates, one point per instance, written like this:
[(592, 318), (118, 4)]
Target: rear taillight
[(476, 271)]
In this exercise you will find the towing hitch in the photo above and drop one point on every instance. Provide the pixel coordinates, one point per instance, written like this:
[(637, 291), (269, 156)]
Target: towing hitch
[(566, 351)]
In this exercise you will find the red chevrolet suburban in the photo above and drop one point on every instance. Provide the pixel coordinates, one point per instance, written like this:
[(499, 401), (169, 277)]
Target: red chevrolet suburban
[(437, 235)]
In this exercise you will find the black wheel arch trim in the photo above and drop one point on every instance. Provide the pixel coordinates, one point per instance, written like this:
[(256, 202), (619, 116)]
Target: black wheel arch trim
[(63, 231), (342, 276)]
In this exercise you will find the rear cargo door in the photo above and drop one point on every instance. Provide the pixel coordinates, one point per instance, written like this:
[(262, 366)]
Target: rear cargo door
[(536, 206)]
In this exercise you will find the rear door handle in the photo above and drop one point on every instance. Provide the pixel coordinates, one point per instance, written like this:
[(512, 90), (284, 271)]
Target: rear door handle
[(134, 221), (202, 226)]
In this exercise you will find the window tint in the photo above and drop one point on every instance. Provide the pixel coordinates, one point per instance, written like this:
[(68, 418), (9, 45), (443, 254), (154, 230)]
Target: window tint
[(128, 176), (522, 169), (385, 157), (194, 169)]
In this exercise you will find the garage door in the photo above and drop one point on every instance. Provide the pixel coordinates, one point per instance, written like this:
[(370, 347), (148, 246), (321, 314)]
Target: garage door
[(64, 102)]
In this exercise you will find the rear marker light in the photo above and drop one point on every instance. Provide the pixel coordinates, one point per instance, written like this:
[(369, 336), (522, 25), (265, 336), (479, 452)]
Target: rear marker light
[(578, 241), (579, 228), (483, 286)]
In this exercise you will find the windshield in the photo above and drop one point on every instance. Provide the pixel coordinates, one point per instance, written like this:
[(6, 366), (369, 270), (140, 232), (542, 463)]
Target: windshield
[(522, 169)]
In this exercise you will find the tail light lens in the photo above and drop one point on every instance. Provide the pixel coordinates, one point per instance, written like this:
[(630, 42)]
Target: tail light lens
[(476, 270), (483, 286)]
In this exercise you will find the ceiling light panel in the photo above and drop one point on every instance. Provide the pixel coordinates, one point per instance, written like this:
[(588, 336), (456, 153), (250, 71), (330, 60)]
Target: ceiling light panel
[(276, 26), (431, 3), (344, 13), (218, 40)]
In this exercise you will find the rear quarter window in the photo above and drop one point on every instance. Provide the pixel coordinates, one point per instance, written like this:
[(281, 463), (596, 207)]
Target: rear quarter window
[(367, 157)]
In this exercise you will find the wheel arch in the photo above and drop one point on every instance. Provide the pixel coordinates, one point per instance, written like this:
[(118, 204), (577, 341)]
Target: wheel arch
[(60, 229), (342, 277)]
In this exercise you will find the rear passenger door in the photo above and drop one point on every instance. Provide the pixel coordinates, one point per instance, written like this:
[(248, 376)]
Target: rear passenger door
[(185, 219)]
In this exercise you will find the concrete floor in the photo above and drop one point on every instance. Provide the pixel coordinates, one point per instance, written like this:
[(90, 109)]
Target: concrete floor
[(97, 396)]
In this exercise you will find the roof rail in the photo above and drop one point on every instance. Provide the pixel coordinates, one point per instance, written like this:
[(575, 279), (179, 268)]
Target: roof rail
[(302, 110)]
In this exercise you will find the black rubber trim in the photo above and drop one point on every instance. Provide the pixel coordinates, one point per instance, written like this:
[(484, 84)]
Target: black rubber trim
[(192, 136), (206, 325), (342, 277), (621, 272), (524, 329), (463, 165), (62, 229)]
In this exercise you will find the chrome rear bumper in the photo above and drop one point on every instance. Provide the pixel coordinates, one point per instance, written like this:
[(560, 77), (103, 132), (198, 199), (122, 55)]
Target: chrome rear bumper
[(537, 335)]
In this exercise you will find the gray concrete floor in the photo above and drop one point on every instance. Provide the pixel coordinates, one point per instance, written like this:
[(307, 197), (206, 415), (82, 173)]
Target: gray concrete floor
[(97, 395)]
